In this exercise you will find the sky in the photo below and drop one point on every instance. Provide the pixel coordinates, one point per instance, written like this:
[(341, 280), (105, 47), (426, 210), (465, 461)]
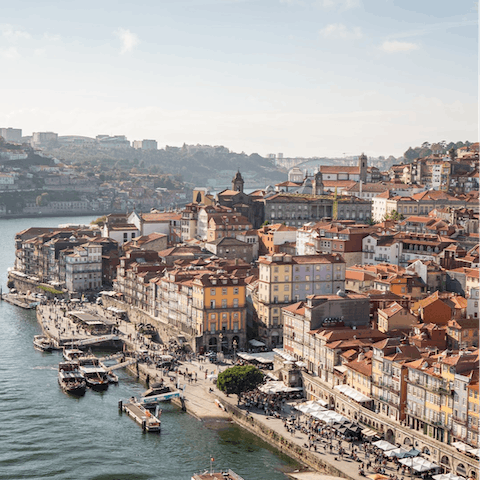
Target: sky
[(301, 77)]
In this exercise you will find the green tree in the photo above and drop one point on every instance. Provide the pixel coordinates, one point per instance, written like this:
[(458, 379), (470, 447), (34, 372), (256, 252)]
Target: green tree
[(239, 379), (394, 215)]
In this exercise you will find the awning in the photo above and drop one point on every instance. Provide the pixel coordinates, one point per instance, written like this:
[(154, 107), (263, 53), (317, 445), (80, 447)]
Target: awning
[(278, 387), (352, 393), (256, 343), (284, 354), (366, 432), (263, 357)]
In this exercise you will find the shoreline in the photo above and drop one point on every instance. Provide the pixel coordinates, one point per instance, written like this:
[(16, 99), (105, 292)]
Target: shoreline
[(204, 401)]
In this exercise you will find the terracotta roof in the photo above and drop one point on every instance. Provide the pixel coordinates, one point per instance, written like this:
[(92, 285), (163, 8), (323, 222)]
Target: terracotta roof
[(392, 309)]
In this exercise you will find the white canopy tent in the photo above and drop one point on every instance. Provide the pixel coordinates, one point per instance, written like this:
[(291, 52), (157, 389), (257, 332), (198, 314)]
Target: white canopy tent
[(262, 357), (352, 393), (278, 387), (256, 343), (419, 464), (384, 445), (447, 476), (462, 447), (397, 452), (310, 407), (475, 452), (329, 416)]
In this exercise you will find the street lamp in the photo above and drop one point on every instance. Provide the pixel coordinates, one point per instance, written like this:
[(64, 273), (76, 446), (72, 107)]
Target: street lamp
[(235, 345)]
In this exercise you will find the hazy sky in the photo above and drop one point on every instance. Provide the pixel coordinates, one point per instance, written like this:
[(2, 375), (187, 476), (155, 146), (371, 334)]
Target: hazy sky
[(302, 77)]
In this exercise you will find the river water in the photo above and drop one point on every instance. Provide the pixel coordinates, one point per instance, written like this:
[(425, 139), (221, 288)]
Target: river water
[(47, 434)]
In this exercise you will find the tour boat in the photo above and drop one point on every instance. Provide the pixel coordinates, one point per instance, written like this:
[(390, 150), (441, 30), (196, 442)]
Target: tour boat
[(71, 379), (158, 392), (72, 354)]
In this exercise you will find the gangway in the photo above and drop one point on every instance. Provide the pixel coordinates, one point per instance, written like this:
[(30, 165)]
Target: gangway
[(121, 365), (94, 340)]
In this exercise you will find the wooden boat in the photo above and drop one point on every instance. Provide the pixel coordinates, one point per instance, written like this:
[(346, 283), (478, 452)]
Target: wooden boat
[(44, 343), (148, 421), (95, 377), (71, 379)]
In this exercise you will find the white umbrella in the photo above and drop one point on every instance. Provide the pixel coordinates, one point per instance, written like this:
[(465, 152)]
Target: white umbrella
[(384, 445), (474, 451), (447, 476), (397, 452)]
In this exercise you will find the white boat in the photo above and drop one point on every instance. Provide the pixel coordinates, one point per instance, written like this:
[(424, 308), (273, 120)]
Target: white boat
[(72, 354), (44, 343), (159, 392)]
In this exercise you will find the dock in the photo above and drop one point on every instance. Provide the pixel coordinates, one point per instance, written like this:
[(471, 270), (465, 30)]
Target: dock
[(148, 421), (22, 301)]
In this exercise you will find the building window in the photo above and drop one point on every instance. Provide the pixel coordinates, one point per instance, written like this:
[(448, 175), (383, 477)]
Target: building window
[(235, 302), (235, 291), (212, 316), (213, 291), (224, 304), (212, 303), (212, 328)]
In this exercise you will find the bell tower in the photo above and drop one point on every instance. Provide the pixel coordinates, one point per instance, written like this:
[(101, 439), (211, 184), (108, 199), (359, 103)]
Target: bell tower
[(363, 165), (237, 182), (318, 187)]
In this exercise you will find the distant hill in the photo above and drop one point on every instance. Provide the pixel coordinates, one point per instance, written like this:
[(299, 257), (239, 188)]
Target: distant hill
[(196, 166)]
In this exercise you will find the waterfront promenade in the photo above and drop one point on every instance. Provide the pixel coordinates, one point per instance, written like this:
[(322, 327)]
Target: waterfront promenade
[(200, 395)]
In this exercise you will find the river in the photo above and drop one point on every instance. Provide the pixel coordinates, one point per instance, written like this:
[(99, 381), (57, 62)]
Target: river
[(47, 434)]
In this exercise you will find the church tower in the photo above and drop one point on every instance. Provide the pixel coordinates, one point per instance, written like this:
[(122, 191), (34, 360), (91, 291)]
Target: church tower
[(237, 182), (317, 187), (363, 165)]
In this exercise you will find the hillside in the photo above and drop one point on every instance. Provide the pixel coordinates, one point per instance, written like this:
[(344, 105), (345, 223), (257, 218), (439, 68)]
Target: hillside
[(195, 166)]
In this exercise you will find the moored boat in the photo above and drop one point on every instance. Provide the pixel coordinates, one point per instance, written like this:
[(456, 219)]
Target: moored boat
[(95, 377), (44, 343), (72, 354), (71, 379), (158, 392)]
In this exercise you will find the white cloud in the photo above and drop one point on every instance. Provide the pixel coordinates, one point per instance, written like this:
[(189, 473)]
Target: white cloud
[(12, 35), (51, 37), (339, 4), (394, 46), (129, 40), (8, 53), (338, 30)]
